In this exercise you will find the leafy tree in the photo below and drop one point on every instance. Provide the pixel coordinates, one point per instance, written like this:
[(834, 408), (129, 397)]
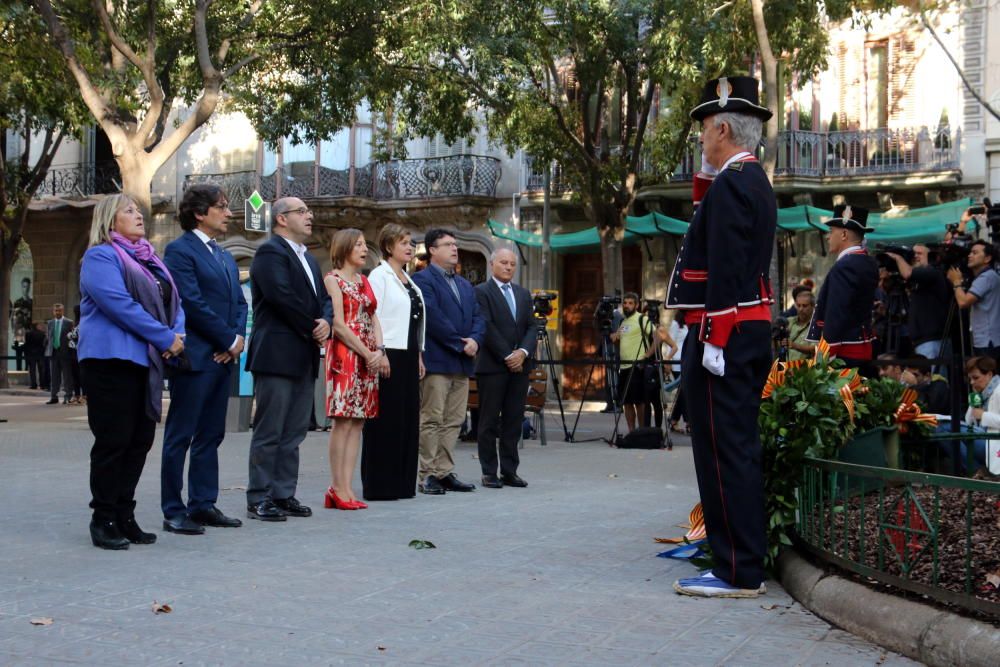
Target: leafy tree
[(33, 107), (599, 86), (293, 67)]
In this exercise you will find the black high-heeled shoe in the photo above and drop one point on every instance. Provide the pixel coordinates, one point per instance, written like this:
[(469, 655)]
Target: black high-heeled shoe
[(105, 534)]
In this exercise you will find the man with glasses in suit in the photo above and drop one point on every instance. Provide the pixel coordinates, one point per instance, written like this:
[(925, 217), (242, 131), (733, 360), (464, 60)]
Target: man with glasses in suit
[(455, 332)]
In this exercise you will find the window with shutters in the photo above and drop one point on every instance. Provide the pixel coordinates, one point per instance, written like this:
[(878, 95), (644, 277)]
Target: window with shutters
[(903, 64), (877, 84)]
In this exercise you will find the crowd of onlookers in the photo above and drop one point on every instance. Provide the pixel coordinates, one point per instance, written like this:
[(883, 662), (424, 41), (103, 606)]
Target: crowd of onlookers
[(49, 351)]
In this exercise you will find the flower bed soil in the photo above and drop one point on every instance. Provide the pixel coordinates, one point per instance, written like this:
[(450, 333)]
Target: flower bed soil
[(843, 536)]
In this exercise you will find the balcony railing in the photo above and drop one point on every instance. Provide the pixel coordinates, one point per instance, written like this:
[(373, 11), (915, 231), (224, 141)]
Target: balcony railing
[(80, 180), (425, 178), (534, 178), (867, 152)]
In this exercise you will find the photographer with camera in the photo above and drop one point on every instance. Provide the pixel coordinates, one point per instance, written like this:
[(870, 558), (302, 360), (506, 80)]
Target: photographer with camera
[(632, 337), (982, 297), (930, 298)]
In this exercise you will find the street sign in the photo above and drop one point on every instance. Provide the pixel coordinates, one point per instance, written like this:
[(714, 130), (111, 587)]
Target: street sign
[(257, 214)]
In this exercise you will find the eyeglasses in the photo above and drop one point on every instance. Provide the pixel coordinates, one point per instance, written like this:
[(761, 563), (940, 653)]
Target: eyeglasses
[(302, 210), (224, 206), (449, 244)]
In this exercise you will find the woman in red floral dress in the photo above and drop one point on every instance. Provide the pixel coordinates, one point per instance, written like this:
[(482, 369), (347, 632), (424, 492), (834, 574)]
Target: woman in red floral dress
[(354, 358)]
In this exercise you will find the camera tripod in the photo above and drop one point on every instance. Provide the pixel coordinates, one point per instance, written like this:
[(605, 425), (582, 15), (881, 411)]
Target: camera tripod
[(657, 359), (544, 347)]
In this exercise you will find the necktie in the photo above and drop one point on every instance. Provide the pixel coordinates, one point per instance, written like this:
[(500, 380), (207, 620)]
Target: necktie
[(58, 334), (449, 277), (217, 254), (508, 294)]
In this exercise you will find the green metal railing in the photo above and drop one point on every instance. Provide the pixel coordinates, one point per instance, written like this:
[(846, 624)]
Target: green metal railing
[(912, 530)]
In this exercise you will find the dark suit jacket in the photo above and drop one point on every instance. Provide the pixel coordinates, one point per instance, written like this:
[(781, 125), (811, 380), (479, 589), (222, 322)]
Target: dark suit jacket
[(215, 311), (504, 334), (448, 322), (285, 310), (34, 344), (50, 327)]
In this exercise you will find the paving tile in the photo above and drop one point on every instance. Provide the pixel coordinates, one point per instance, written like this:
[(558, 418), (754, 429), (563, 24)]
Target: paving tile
[(566, 576)]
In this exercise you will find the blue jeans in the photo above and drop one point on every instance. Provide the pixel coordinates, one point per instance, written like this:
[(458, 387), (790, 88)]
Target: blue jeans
[(979, 445)]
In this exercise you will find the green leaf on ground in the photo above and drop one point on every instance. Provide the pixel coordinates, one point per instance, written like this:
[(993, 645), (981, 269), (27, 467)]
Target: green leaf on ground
[(422, 544)]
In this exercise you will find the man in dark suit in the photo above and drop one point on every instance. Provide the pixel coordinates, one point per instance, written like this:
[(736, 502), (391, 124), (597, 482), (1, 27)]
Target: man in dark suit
[(292, 314), (721, 281), (455, 332), (502, 369), (843, 315), (57, 352), (215, 313)]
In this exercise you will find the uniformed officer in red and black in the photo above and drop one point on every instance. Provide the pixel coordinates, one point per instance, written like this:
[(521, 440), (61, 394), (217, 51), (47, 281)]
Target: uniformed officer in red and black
[(721, 280), (843, 315)]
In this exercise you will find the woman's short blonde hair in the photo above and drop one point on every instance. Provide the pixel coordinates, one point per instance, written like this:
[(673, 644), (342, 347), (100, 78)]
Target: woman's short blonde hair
[(104, 217), (342, 245), (389, 236)]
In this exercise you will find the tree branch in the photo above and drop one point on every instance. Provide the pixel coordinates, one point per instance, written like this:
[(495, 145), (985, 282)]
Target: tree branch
[(208, 70), (968, 85), (561, 120), (640, 133), (770, 66), (247, 19), (116, 41)]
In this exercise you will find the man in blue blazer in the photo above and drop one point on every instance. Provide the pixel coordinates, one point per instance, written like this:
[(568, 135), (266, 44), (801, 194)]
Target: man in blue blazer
[(292, 314), (455, 332), (216, 314)]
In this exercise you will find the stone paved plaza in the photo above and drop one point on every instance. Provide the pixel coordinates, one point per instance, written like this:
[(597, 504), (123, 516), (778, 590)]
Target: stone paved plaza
[(561, 573)]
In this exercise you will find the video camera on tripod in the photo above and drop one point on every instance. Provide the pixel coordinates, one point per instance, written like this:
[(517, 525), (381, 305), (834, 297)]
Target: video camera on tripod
[(651, 309), (541, 305), (604, 314)]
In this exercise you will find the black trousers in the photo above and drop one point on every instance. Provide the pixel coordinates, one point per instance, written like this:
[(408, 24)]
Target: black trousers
[(123, 434), (36, 377), (501, 413), (61, 375), (727, 452), (391, 441)]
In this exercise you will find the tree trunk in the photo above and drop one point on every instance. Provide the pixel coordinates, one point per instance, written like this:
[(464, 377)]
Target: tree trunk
[(8, 257), (770, 72), (610, 226), (137, 180)]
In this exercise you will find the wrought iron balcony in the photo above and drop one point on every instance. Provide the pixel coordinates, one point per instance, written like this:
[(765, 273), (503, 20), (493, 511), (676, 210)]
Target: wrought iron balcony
[(534, 178), (856, 153), (881, 151), (424, 178), (80, 180)]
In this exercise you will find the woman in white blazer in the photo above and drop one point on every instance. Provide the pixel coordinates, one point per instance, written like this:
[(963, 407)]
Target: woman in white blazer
[(391, 441)]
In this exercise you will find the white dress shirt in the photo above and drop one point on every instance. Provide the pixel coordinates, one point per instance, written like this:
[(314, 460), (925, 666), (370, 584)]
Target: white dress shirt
[(300, 252)]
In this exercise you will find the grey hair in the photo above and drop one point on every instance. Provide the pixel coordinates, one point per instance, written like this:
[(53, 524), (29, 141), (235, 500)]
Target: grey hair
[(746, 130), (497, 251)]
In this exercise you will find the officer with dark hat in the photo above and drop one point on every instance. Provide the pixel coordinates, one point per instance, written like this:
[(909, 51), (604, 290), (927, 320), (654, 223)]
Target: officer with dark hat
[(843, 315), (721, 281)]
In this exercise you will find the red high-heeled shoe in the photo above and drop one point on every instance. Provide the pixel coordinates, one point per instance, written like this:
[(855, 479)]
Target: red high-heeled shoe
[(332, 500), (361, 505)]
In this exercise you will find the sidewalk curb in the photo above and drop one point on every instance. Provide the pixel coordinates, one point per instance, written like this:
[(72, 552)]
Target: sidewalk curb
[(916, 630)]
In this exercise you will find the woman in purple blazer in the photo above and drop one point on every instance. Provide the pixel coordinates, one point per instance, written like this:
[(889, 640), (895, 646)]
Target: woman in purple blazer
[(131, 324)]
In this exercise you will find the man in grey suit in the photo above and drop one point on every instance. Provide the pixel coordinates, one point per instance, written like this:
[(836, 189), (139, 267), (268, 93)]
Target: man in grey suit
[(502, 369), (57, 353), (292, 315)]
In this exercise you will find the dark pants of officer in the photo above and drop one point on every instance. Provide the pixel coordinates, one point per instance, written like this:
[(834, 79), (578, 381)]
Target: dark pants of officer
[(727, 451)]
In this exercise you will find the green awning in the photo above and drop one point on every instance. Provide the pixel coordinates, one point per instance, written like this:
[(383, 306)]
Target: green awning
[(913, 226)]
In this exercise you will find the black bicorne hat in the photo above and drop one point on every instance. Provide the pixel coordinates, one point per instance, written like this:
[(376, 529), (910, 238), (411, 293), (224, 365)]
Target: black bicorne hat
[(850, 217), (736, 94)]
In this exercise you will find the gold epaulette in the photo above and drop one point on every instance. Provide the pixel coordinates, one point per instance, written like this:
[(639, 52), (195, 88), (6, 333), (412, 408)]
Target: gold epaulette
[(736, 166)]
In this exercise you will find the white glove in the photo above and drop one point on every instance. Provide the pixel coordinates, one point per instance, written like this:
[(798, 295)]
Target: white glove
[(713, 360), (707, 168)]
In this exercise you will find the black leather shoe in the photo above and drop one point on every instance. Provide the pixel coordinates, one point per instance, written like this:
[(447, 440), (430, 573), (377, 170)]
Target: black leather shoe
[(131, 531), (292, 507), (492, 482), (215, 518), (266, 510), (432, 486), (52, 401), (452, 483), (513, 480), (105, 534), (183, 525)]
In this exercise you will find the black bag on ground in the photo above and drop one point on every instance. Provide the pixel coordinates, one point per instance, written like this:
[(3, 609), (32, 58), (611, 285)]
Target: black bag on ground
[(646, 437)]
